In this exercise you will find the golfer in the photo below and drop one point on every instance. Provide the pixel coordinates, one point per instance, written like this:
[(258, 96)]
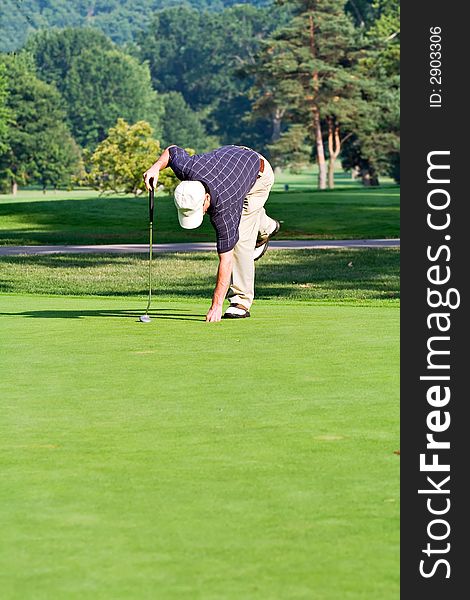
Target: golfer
[(231, 184)]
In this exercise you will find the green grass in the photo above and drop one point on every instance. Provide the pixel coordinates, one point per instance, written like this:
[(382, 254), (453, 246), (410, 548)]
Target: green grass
[(181, 459), (327, 275), (83, 217)]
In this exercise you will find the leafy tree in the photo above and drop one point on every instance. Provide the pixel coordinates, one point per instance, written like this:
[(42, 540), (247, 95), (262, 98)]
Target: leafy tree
[(55, 50), (118, 19), (119, 161), (4, 113), (40, 148), (101, 87), (98, 82), (204, 57), (181, 125), (174, 47)]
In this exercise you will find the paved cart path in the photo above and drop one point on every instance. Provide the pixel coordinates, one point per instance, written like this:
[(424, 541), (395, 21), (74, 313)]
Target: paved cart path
[(194, 247)]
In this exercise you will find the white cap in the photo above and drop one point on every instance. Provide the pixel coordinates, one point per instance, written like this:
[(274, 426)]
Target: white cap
[(189, 200)]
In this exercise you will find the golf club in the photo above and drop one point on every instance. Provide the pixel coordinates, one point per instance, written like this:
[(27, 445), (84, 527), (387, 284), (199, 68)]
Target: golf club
[(145, 318)]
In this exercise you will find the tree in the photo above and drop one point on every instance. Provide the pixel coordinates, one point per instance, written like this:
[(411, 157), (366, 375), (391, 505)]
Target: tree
[(54, 51), (118, 19), (204, 57), (291, 150), (182, 126), (305, 71), (119, 161), (101, 87), (374, 148), (361, 11), (173, 46), (4, 112), (384, 35), (236, 35), (98, 82), (39, 148)]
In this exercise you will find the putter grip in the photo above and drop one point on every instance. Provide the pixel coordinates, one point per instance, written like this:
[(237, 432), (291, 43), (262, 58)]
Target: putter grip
[(151, 200)]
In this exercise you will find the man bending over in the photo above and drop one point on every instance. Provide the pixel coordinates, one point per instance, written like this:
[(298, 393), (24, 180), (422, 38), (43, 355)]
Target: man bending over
[(231, 184)]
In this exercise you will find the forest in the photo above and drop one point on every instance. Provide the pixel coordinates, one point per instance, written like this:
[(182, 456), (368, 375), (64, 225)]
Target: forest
[(301, 81)]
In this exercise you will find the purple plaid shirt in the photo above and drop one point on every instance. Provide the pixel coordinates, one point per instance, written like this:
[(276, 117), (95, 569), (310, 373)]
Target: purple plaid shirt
[(229, 173)]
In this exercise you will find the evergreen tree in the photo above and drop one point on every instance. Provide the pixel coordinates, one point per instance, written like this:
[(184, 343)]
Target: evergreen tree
[(375, 145), (384, 35), (361, 11), (305, 71), (291, 150)]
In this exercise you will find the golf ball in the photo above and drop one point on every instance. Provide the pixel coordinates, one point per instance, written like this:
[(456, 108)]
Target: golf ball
[(144, 319)]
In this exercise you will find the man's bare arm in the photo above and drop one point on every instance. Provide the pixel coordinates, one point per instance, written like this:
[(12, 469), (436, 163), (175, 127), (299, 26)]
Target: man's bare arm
[(224, 274), (155, 169)]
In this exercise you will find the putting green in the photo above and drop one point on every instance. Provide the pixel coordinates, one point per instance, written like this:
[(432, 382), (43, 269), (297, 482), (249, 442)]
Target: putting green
[(177, 460)]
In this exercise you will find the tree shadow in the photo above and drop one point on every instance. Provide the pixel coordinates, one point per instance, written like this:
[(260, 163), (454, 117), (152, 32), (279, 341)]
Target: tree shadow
[(95, 220), (301, 274), (156, 313)]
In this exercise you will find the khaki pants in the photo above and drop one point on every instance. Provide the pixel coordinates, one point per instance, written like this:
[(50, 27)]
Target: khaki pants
[(254, 220)]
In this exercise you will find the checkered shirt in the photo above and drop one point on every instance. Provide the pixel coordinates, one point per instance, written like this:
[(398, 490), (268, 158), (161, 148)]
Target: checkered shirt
[(228, 173)]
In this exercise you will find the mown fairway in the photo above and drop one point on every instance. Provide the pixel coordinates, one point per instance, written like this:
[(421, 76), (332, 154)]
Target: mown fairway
[(246, 459), (177, 459), (180, 459), (83, 217)]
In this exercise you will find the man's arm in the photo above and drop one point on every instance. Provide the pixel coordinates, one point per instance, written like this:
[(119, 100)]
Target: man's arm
[(155, 169), (224, 274)]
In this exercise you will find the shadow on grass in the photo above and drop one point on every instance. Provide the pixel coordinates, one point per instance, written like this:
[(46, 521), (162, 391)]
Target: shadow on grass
[(350, 212), (158, 313), (99, 220), (300, 274)]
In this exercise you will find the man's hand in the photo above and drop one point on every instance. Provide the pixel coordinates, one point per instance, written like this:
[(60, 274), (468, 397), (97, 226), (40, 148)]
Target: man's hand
[(155, 169), (152, 173), (215, 314)]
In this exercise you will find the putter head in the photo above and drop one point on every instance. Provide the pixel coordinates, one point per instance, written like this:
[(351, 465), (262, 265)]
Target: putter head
[(144, 319)]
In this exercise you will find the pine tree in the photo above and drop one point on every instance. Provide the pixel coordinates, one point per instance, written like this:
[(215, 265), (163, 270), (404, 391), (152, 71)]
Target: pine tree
[(305, 72), (373, 149)]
